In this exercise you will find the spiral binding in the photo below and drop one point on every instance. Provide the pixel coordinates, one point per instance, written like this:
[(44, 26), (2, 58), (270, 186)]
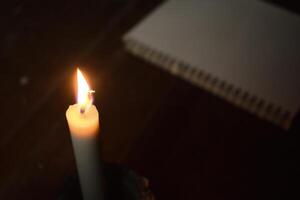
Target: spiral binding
[(243, 99)]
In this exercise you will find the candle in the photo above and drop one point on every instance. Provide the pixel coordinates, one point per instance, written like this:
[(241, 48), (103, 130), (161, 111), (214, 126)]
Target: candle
[(83, 121)]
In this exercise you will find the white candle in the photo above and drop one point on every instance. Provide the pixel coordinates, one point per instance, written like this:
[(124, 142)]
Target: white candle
[(83, 121)]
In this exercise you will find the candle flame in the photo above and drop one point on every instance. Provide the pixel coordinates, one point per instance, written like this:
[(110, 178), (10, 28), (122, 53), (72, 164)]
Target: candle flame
[(84, 97)]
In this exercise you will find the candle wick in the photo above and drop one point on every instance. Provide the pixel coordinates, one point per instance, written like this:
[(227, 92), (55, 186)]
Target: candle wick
[(89, 101)]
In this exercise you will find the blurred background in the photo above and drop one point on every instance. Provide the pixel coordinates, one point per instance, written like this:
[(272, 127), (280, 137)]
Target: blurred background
[(161, 126)]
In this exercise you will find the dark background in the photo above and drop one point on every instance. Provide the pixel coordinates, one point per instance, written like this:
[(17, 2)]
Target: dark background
[(189, 143)]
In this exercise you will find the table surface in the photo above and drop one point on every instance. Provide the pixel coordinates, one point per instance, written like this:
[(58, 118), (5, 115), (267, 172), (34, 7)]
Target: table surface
[(189, 143)]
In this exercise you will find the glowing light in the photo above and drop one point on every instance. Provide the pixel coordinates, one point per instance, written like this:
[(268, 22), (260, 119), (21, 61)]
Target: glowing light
[(84, 97)]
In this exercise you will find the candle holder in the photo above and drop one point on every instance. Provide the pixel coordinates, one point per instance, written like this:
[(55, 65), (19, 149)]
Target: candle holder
[(121, 183)]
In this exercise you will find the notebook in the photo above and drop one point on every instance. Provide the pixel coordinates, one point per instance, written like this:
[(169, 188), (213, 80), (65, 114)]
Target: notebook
[(246, 52)]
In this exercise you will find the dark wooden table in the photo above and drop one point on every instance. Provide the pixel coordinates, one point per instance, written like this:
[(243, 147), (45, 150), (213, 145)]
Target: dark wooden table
[(189, 143)]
